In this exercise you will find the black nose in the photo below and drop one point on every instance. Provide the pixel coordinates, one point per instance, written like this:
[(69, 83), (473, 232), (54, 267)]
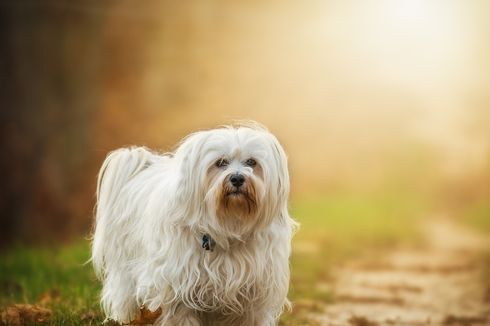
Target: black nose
[(237, 179)]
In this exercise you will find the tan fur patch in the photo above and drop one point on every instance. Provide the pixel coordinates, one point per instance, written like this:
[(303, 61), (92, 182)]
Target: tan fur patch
[(242, 205)]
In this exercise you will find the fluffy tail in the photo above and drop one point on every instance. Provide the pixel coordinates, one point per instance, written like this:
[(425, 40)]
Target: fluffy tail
[(118, 168)]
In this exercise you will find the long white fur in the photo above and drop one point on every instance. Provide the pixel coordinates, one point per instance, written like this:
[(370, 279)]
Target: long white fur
[(152, 211)]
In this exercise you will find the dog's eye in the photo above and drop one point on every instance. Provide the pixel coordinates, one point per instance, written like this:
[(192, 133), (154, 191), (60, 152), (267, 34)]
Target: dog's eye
[(222, 163), (251, 162)]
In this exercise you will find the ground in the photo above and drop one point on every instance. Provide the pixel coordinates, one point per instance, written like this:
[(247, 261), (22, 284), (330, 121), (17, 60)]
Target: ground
[(440, 283), (357, 260)]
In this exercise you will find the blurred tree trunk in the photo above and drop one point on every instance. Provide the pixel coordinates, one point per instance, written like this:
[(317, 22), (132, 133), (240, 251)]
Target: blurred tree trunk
[(50, 66)]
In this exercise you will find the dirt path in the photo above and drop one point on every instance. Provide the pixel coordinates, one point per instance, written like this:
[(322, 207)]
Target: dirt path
[(440, 284)]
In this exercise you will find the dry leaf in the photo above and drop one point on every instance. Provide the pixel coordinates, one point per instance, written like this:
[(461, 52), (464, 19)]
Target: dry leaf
[(49, 297), (21, 314), (147, 317)]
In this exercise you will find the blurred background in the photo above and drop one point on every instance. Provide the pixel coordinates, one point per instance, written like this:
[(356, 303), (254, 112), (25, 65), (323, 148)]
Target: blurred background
[(363, 95), (383, 106)]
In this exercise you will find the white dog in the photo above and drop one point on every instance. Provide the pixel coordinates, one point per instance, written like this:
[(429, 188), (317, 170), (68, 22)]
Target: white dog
[(202, 235)]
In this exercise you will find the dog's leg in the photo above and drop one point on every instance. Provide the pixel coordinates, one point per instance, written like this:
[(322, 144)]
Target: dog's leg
[(182, 316), (266, 319), (253, 317), (117, 299)]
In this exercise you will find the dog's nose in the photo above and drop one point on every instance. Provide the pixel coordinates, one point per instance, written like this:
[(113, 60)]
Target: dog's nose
[(237, 179)]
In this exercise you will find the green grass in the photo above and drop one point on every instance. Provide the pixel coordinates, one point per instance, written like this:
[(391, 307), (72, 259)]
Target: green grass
[(26, 274), (333, 228), (478, 215)]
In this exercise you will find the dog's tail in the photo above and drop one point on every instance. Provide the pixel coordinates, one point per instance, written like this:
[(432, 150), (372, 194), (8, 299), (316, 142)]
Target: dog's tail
[(119, 167)]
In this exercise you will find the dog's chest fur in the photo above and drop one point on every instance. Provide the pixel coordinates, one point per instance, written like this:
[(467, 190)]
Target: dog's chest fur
[(230, 281)]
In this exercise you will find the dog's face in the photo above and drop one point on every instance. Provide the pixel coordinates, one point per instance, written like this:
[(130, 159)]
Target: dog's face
[(237, 183), (240, 174)]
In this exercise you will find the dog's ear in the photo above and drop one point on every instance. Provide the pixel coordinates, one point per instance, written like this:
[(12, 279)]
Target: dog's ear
[(190, 169), (278, 180), (281, 161), (276, 174)]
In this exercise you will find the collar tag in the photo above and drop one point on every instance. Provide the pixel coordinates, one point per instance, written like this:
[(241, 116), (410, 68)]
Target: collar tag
[(208, 242)]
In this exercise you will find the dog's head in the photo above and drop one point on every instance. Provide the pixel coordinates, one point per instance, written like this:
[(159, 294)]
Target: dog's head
[(236, 178)]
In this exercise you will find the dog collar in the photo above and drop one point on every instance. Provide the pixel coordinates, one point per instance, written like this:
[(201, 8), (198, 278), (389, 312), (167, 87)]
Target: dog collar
[(208, 242)]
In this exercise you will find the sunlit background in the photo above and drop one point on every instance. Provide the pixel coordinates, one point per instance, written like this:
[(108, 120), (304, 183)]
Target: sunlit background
[(361, 93), (377, 101)]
